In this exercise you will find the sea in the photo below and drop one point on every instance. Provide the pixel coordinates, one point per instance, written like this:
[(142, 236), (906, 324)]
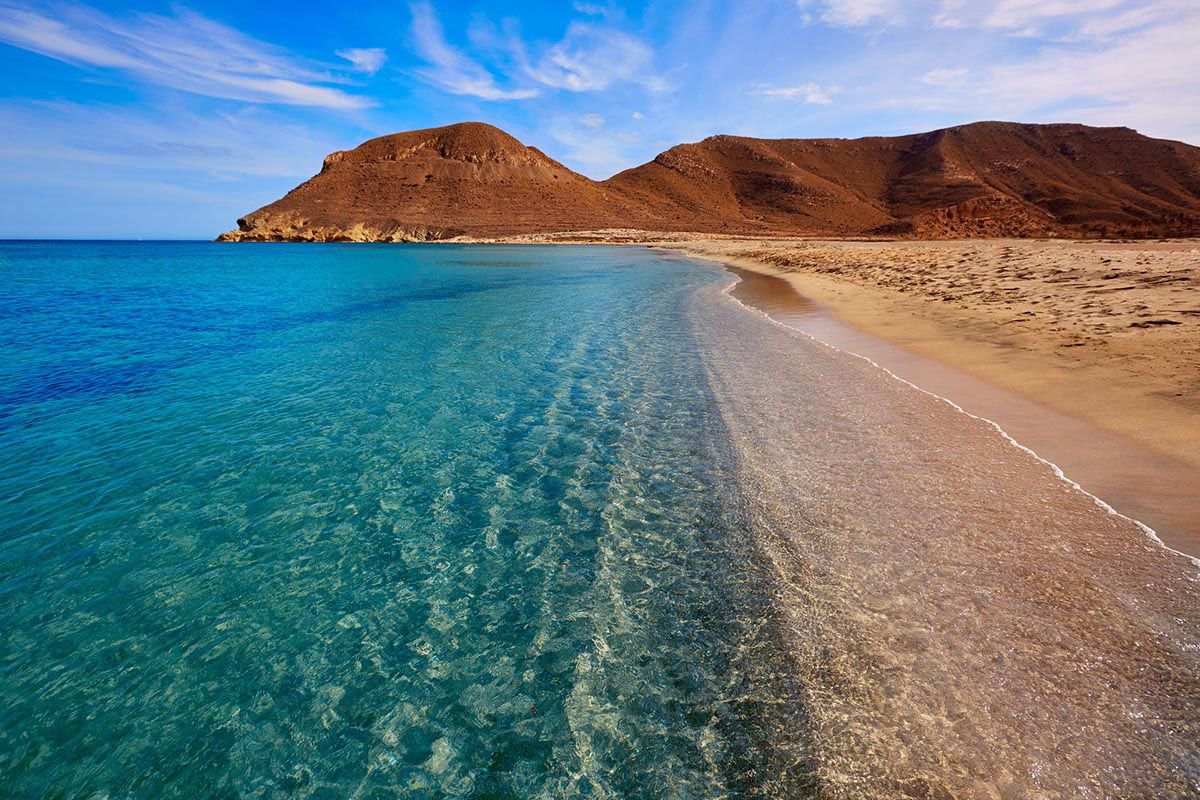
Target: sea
[(371, 521)]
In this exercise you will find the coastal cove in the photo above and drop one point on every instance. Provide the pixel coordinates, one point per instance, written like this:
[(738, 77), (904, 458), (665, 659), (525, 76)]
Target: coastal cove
[(477, 400), (573, 521)]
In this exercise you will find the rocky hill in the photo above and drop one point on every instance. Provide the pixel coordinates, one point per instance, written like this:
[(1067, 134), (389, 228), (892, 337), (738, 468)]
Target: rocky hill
[(985, 179)]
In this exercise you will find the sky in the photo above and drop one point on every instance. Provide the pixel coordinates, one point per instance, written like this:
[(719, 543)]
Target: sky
[(168, 120)]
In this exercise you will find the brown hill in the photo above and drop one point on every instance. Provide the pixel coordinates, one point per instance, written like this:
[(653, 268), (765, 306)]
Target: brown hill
[(430, 184), (983, 179)]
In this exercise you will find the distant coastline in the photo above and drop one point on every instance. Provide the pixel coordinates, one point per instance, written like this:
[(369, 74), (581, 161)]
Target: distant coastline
[(1048, 260)]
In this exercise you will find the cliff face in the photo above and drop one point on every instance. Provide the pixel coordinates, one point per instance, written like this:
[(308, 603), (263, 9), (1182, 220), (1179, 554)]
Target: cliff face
[(985, 179)]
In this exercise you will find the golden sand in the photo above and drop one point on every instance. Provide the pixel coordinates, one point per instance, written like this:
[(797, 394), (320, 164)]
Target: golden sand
[(1108, 332)]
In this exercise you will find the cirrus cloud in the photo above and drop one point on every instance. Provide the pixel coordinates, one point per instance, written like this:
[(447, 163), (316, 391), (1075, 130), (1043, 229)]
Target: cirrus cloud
[(451, 69), (590, 58), (186, 51), (852, 13), (810, 93), (365, 59)]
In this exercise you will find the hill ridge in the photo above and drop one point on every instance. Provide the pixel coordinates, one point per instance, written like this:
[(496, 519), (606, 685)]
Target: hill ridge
[(980, 179)]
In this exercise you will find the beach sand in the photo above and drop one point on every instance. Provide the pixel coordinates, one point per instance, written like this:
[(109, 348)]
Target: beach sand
[(1088, 353), (1108, 332)]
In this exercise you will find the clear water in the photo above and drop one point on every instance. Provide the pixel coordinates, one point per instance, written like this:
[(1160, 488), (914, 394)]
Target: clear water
[(492, 522), (368, 520)]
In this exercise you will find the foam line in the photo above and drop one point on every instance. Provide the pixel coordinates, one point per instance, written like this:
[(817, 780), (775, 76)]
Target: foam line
[(1146, 529)]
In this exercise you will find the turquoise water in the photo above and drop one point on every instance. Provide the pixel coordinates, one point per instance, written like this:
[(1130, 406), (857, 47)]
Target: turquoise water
[(338, 520)]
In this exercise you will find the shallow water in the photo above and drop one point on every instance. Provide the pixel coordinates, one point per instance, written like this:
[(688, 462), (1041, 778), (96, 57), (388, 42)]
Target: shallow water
[(281, 520), (449, 521)]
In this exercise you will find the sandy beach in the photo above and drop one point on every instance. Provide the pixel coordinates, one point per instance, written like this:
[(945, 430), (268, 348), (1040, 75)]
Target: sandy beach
[(1106, 331), (1103, 330)]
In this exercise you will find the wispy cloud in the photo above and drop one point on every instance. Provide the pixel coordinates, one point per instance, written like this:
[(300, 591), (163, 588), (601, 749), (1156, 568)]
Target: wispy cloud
[(118, 170), (852, 13), (1023, 16), (1125, 21), (945, 76), (1015, 17), (451, 69), (365, 59), (808, 92), (186, 51), (1098, 62), (590, 58), (223, 145), (592, 120), (591, 9), (1065, 19), (1148, 79)]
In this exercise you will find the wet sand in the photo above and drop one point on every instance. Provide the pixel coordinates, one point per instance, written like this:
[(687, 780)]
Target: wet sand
[(964, 623), (1156, 489)]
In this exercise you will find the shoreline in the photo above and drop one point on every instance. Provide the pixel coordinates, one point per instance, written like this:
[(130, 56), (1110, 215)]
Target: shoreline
[(1102, 382), (964, 340), (927, 572), (731, 292), (1127, 476), (1125, 430)]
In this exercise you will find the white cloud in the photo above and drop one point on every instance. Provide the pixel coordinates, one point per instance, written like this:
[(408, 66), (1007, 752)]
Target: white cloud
[(809, 93), (1143, 78), (638, 115), (591, 9), (365, 59), (222, 146), (1015, 17), (99, 170), (592, 120), (1149, 78), (451, 69), (185, 51), (946, 76), (1068, 18), (1027, 14), (853, 13), (588, 58), (591, 59), (1121, 22)]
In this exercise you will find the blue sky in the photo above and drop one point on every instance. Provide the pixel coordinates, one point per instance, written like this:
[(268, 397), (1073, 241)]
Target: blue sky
[(166, 120)]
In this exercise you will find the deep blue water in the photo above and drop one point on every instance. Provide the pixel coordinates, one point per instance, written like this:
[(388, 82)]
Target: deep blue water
[(372, 521)]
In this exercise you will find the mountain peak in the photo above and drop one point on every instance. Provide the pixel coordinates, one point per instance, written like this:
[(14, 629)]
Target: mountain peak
[(473, 142)]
